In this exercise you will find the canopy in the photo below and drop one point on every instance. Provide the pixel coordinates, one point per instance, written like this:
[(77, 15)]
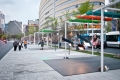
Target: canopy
[(107, 14), (84, 21), (93, 17), (47, 31)]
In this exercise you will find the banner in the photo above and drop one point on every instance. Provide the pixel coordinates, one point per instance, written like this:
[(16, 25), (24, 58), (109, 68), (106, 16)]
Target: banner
[(114, 25)]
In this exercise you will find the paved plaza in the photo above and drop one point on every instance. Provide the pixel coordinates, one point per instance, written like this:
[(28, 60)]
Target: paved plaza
[(28, 64)]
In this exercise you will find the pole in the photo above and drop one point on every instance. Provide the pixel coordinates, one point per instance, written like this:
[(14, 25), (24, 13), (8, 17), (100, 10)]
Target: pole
[(92, 36), (102, 54), (30, 38), (24, 35), (34, 38), (47, 40), (51, 39), (87, 27), (38, 37), (58, 40), (42, 34), (65, 37)]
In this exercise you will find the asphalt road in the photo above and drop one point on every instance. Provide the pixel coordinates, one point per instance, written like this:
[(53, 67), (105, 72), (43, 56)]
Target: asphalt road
[(109, 50), (5, 48)]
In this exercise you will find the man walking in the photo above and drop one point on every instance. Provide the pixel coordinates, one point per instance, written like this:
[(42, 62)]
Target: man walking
[(15, 44), (42, 44)]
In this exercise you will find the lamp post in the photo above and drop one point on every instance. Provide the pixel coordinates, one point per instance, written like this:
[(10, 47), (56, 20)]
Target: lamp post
[(58, 39)]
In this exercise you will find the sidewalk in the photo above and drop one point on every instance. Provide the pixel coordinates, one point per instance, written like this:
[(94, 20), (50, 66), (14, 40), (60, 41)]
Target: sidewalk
[(28, 64)]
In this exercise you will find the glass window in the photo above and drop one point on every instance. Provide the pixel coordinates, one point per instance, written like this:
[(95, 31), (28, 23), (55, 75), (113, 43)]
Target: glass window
[(112, 38), (56, 1), (62, 4), (97, 3), (46, 8), (65, 9), (45, 4), (46, 12)]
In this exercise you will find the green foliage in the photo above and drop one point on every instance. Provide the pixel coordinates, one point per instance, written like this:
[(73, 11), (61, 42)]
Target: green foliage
[(67, 15), (54, 22), (3, 36), (17, 36), (108, 27), (74, 13), (84, 7), (31, 29)]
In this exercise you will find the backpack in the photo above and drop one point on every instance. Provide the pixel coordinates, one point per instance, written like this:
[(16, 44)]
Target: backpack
[(25, 42)]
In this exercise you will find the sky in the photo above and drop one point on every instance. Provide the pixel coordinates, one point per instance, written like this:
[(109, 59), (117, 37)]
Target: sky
[(20, 10)]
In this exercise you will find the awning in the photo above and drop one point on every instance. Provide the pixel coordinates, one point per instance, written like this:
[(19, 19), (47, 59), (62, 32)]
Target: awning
[(84, 21), (47, 31), (90, 17), (106, 14)]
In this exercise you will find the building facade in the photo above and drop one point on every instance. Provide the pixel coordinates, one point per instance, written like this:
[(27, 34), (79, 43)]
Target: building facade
[(31, 23), (46, 8), (2, 22), (14, 27)]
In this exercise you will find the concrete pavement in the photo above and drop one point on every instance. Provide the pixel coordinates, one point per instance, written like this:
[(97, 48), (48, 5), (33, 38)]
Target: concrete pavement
[(28, 64)]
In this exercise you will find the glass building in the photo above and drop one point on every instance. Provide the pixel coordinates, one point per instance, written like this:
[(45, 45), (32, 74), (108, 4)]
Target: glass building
[(61, 6), (2, 22)]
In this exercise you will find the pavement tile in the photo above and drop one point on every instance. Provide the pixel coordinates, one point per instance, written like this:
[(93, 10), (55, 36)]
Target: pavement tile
[(29, 65)]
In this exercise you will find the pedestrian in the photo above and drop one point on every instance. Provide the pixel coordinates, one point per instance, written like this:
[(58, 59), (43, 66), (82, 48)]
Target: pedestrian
[(15, 44), (20, 45), (59, 44), (42, 44), (25, 44), (94, 41)]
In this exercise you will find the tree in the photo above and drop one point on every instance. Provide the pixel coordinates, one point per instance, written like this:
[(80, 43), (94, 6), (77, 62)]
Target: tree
[(31, 30), (54, 25), (66, 17), (108, 27), (84, 7)]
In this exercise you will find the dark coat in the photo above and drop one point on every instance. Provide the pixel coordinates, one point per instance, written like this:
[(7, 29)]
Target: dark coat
[(15, 43), (41, 43)]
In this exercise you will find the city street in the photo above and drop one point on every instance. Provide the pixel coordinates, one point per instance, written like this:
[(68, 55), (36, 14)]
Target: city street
[(109, 50), (106, 50), (4, 48)]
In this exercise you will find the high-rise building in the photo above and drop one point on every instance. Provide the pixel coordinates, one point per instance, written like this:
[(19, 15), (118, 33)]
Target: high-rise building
[(46, 8), (14, 27), (2, 22)]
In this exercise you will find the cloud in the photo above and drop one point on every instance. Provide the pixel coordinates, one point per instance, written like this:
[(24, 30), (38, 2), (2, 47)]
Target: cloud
[(20, 10)]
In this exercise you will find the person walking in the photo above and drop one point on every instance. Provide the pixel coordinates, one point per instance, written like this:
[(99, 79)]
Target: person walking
[(20, 45), (42, 44), (25, 44), (15, 44)]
